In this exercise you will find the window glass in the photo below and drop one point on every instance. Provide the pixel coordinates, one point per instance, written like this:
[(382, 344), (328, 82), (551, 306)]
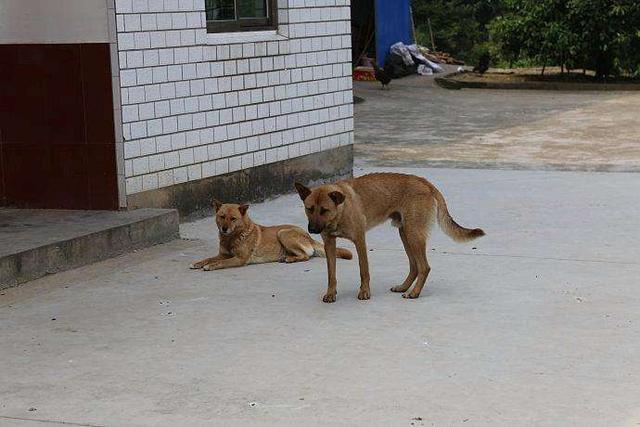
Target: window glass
[(240, 15), (220, 10), (252, 8)]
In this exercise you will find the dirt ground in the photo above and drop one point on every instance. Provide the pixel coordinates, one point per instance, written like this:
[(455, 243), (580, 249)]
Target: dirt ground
[(418, 123)]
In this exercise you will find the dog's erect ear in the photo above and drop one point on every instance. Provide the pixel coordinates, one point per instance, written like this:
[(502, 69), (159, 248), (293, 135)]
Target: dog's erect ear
[(302, 191), (337, 197), (216, 204), (243, 209)]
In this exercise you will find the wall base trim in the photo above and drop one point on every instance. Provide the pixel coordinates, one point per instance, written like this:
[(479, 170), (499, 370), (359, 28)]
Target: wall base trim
[(193, 199)]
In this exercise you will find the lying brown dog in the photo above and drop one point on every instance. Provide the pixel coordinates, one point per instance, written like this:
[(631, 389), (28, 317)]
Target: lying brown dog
[(352, 207), (244, 242)]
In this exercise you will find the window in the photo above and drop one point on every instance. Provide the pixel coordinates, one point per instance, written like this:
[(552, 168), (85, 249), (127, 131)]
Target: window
[(240, 15)]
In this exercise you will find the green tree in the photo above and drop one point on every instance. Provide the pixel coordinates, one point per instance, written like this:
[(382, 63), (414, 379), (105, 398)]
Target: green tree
[(459, 26), (602, 35), (607, 35)]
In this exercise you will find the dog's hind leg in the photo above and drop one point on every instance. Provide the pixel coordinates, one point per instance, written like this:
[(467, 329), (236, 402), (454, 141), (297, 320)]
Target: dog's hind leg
[(418, 246), (414, 233), (413, 269), (417, 222), (296, 245)]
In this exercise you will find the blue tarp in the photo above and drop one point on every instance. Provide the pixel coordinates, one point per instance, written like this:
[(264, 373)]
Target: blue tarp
[(393, 24)]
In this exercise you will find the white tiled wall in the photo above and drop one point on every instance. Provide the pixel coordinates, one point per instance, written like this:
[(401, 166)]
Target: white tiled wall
[(196, 105)]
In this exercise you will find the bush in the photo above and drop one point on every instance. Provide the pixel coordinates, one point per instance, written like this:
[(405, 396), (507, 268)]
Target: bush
[(600, 35), (459, 26)]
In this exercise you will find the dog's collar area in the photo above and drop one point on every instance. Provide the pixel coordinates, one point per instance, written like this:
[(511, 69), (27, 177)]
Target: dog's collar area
[(240, 237), (246, 233), (331, 231)]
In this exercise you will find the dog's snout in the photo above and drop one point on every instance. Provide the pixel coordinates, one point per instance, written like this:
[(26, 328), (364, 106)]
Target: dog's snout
[(314, 229), (224, 229)]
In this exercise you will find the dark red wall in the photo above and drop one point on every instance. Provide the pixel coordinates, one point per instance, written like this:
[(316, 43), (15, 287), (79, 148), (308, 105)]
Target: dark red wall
[(57, 142)]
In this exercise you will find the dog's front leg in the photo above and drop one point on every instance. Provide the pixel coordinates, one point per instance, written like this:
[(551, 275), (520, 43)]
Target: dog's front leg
[(363, 262), (226, 263), (200, 264), (330, 251)]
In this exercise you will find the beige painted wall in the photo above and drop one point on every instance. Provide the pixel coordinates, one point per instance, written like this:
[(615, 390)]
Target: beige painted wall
[(53, 21)]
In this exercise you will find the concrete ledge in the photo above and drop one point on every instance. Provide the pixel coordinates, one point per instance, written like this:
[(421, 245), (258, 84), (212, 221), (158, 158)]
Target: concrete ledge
[(450, 81), (193, 199), (34, 243)]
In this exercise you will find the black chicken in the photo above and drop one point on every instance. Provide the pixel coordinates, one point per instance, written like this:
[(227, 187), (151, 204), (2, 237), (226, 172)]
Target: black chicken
[(382, 76), (483, 64)]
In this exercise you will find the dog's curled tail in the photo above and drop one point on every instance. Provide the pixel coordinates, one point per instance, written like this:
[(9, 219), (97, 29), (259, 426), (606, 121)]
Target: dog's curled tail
[(449, 226), (340, 252)]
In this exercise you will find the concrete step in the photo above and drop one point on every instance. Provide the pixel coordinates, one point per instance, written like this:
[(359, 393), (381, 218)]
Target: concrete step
[(34, 243)]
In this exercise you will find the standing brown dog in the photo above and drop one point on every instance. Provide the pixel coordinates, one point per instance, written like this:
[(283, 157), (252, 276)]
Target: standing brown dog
[(243, 242), (351, 207)]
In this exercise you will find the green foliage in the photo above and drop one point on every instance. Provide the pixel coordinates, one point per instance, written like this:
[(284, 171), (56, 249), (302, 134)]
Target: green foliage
[(459, 26), (602, 35)]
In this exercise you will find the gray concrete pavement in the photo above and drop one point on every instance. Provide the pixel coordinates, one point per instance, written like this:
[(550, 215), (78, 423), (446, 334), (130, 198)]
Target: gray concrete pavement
[(427, 125), (37, 242), (539, 324)]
